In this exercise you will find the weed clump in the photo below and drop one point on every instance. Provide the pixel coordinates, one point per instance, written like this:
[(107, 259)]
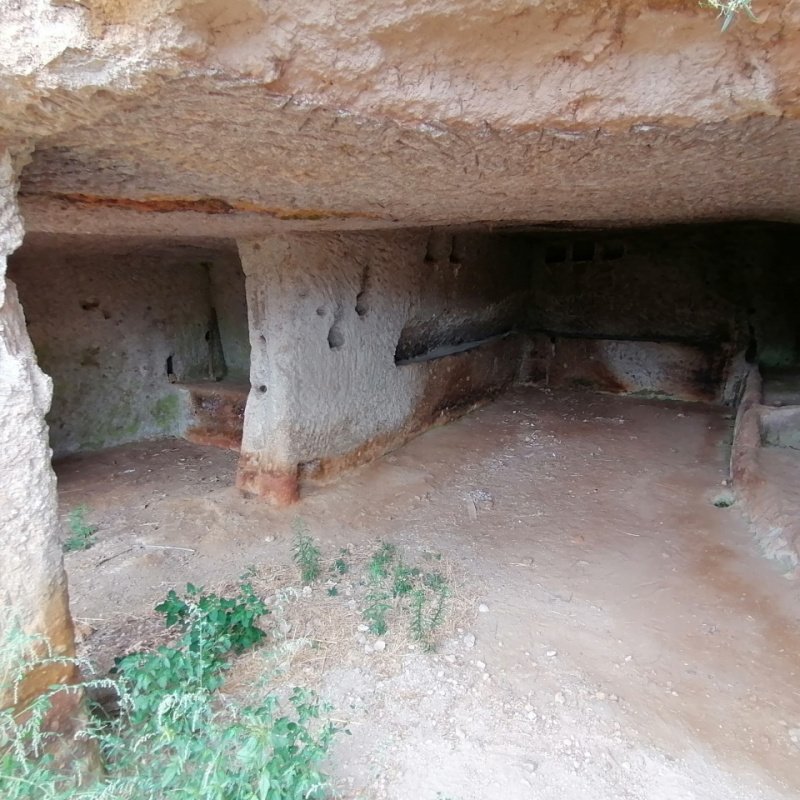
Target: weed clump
[(387, 589), (175, 735), (306, 554), (396, 586), (81, 533)]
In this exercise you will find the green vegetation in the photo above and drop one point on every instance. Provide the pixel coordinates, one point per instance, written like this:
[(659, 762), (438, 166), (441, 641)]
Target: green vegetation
[(174, 733), (381, 562), (729, 9), (81, 533), (306, 554), (378, 605), (341, 565), (421, 595), (176, 736), (387, 589)]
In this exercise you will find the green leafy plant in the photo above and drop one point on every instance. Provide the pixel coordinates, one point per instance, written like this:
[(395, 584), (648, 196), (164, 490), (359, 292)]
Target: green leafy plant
[(81, 533), (403, 579), (27, 763), (175, 735), (427, 608), (378, 605), (212, 627), (341, 566), (306, 554), (229, 621), (381, 562), (396, 586), (195, 748), (729, 9)]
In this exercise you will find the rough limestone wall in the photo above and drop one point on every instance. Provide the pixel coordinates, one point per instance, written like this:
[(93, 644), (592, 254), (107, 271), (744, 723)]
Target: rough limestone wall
[(33, 585), (457, 110), (660, 311), (473, 290), (104, 318), (230, 303), (327, 312)]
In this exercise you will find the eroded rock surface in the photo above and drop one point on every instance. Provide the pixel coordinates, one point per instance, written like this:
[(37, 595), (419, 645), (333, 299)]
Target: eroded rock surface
[(251, 116), (33, 585)]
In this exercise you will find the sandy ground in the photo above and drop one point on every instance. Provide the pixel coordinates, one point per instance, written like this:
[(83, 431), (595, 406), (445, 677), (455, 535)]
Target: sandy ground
[(633, 644)]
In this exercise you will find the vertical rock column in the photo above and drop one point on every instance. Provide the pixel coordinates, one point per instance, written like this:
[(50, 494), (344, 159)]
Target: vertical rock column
[(33, 586), (269, 460), (325, 313)]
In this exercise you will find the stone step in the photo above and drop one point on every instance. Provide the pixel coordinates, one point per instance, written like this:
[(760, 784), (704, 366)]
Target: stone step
[(216, 413)]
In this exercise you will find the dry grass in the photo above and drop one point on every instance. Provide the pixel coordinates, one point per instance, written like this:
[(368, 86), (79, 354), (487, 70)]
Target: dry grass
[(309, 630), (312, 631)]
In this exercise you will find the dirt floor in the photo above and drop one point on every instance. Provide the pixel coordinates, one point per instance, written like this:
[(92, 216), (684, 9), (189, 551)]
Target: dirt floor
[(612, 634)]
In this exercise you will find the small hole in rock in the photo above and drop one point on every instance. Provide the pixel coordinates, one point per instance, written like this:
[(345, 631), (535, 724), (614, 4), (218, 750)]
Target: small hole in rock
[(335, 337), (321, 311), (361, 304), (262, 389)]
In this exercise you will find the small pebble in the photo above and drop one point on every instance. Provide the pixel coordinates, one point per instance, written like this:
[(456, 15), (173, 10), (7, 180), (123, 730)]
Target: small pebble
[(483, 608), (559, 698), (551, 653), (469, 640), (379, 645)]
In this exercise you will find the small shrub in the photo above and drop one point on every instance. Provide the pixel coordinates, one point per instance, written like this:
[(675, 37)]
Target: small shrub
[(381, 562), (396, 586), (404, 577), (427, 608), (213, 627), (175, 736), (341, 565), (229, 621), (378, 605), (306, 554), (81, 532)]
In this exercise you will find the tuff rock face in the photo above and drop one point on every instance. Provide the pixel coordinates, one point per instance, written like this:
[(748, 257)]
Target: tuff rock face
[(275, 123), (253, 115)]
